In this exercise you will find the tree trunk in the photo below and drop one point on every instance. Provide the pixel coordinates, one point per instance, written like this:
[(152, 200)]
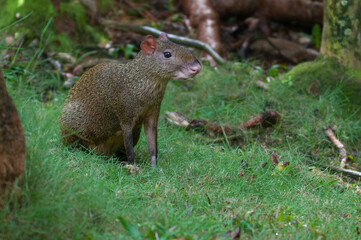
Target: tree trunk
[(341, 37)]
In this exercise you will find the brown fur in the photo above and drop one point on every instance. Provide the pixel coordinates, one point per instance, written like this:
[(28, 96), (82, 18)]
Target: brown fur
[(12, 141), (109, 104)]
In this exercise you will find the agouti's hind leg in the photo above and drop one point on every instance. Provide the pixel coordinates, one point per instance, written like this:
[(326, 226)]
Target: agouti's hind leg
[(70, 139)]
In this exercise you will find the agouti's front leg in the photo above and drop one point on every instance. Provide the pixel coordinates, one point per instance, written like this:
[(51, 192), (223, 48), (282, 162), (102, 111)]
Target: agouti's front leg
[(128, 143), (150, 129)]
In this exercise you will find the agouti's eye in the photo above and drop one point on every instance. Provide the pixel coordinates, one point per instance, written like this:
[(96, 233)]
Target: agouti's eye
[(167, 54)]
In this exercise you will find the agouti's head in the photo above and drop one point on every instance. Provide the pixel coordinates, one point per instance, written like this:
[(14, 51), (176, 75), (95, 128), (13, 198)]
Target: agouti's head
[(169, 59)]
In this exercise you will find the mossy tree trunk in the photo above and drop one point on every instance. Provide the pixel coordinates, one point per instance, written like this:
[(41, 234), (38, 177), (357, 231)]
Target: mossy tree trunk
[(341, 35)]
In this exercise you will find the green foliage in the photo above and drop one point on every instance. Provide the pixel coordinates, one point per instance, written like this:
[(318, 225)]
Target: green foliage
[(129, 51), (170, 5), (76, 11), (61, 41), (104, 5), (195, 192), (287, 80), (131, 228), (40, 12), (276, 69), (41, 9), (316, 35), (176, 18)]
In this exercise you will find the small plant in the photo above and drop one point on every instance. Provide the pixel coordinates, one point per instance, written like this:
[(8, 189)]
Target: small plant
[(129, 51), (170, 6), (276, 69), (131, 229), (316, 35), (287, 80)]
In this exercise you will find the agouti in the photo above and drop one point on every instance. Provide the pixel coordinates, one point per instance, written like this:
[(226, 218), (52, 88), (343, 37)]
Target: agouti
[(109, 104), (12, 142)]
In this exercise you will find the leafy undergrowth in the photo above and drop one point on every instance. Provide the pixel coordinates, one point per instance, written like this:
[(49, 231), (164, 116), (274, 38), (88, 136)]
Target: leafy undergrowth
[(196, 191)]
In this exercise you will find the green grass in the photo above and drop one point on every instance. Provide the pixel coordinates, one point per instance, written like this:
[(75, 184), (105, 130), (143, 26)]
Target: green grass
[(195, 192)]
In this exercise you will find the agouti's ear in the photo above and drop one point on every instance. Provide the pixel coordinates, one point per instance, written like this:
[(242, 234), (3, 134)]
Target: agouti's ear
[(148, 45), (163, 36)]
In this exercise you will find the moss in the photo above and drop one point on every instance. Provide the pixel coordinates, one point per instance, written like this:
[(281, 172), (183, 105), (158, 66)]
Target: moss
[(95, 35), (62, 41), (104, 5), (342, 30), (8, 10), (41, 10), (354, 73), (330, 73), (75, 11)]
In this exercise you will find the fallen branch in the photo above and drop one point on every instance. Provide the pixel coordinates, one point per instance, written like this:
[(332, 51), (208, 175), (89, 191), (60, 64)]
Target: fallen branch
[(202, 125), (265, 119), (331, 135), (346, 172), (284, 48), (175, 38)]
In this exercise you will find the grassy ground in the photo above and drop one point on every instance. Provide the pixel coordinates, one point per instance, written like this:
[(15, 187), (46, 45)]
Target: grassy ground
[(196, 192)]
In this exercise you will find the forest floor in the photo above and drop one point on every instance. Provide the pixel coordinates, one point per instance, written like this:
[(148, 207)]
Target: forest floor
[(199, 190)]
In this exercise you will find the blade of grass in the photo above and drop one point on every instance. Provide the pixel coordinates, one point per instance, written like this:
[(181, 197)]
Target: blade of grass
[(16, 22), (131, 228)]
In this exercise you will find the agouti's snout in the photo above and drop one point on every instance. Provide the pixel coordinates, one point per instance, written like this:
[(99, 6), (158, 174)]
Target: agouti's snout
[(195, 67)]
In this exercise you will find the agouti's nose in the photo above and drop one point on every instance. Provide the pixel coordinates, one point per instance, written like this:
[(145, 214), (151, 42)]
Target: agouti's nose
[(195, 68)]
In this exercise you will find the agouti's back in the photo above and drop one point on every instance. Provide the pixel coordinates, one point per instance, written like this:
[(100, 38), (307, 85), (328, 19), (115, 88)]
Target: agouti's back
[(108, 105)]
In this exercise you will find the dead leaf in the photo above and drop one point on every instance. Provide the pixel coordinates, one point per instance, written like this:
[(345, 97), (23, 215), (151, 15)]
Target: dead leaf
[(241, 174), (235, 234), (274, 158), (132, 169)]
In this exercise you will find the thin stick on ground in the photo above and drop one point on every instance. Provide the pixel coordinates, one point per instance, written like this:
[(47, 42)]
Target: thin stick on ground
[(175, 38), (346, 172), (331, 135)]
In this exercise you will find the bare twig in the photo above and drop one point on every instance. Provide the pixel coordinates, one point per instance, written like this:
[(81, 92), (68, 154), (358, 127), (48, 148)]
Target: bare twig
[(331, 135), (175, 38), (203, 125), (347, 172)]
